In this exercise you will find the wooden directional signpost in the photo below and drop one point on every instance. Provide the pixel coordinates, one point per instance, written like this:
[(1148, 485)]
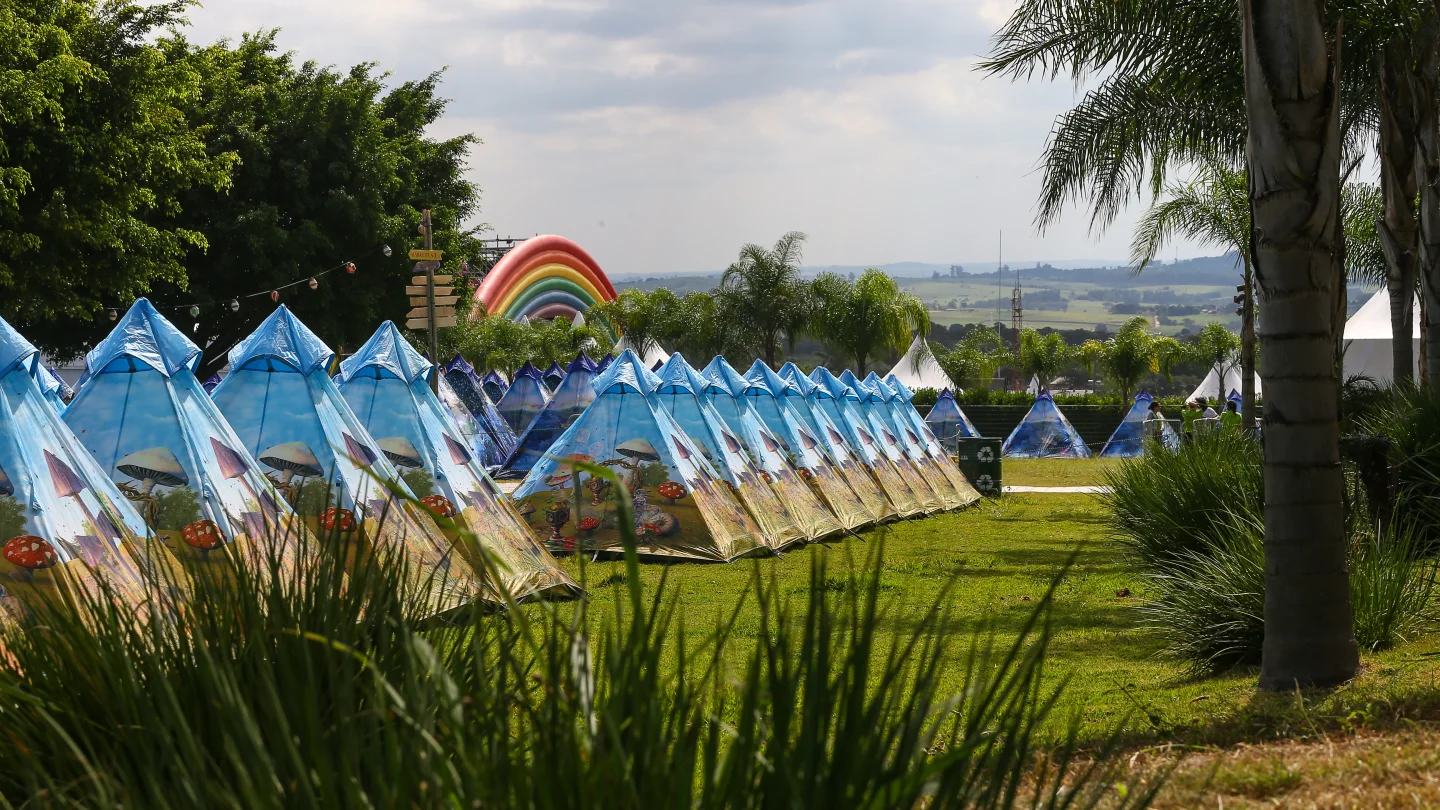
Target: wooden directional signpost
[(432, 306)]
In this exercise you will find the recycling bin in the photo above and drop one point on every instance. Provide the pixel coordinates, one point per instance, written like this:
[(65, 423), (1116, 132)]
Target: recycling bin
[(980, 462)]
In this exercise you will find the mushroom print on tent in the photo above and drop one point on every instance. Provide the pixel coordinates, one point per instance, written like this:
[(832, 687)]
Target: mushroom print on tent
[(841, 404), (730, 395), (471, 390), (1044, 433), (682, 506), (948, 422), (773, 401), (872, 406), (553, 376), (64, 526), (1128, 440), (853, 468), (148, 421), (288, 414), (386, 384), (574, 395), (681, 394), (934, 462), (495, 385), (524, 398)]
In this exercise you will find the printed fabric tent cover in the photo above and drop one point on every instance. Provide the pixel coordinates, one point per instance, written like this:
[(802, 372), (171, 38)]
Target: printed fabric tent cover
[(553, 376), (680, 392), (480, 440), (63, 524), (919, 369), (682, 506), (917, 443), (288, 414), (949, 422), (1044, 433), (525, 397), (151, 426), (773, 400), (462, 383), (853, 468), (1128, 440), (386, 384), (916, 431), (873, 405), (495, 386), (731, 395), (574, 395), (842, 404), (54, 389)]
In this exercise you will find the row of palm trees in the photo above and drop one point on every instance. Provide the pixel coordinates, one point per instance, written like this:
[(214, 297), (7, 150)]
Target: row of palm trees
[(1296, 94)]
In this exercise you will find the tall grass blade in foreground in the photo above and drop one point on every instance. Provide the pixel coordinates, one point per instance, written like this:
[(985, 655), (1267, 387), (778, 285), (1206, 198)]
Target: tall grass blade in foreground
[(327, 693)]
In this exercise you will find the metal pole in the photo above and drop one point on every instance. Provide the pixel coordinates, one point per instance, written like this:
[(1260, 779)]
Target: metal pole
[(430, 303)]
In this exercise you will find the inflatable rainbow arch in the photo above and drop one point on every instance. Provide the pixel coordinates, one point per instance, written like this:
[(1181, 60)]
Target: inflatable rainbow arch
[(544, 277)]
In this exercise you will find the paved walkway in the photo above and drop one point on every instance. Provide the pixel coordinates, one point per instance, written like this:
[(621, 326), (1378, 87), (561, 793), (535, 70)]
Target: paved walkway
[(1062, 490)]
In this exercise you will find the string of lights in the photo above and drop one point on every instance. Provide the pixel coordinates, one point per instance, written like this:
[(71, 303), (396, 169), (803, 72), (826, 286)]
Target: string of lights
[(274, 292)]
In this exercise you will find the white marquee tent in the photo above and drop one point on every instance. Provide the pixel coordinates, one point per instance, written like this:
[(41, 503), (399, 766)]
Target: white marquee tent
[(1368, 340), (1214, 393), (928, 375)]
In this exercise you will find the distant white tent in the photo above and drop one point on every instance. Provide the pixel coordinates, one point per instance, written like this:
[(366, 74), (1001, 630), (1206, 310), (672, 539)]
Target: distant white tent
[(1034, 388), (1369, 340), (655, 354), (918, 369), (1214, 393)]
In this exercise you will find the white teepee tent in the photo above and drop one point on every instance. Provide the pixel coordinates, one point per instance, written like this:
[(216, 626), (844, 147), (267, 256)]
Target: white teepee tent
[(655, 354), (918, 369), (1369, 340), (1214, 393)]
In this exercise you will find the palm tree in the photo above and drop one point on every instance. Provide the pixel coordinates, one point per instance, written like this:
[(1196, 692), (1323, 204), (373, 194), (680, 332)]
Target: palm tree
[(646, 318), (1169, 354), (1213, 209), (975, 359), (1091, 355), (773, 301), (1214, 347), (861, 319), (1129, 356), (1042, 356), (1294, 156)]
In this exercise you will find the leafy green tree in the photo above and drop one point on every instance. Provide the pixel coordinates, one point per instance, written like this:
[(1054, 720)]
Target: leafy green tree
[(1169, 354), (708, 326), (1091, 355), (772, 302), (559, 341), (863, 318), (975, 359), (1213, 348), (1129, 356), (1042, 356), (96, 158), (332, 167), (647, 318)]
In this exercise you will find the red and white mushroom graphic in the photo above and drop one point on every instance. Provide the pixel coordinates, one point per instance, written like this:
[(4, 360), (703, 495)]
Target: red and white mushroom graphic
[(202, 535), (589, 524), (672, 491), (31, 553), (439, 505), (337, 519)]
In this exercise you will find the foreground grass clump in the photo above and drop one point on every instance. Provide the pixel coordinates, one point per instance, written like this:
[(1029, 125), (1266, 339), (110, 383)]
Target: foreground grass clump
[(324, 692)]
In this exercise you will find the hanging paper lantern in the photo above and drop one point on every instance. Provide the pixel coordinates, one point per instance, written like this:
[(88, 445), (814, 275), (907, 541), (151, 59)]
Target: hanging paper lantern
[(314, 284), (114, 315), (386, 251), (234, 304), (350, 268), (274, 295), (194, 311)]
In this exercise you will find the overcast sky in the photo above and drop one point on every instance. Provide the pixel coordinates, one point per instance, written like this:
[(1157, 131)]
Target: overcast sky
[(663, 134)]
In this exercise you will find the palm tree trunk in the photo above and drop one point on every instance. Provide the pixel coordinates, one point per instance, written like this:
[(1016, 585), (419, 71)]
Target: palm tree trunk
[(1247, 351), (1399, 235), (1428, 178), (1293, 110)]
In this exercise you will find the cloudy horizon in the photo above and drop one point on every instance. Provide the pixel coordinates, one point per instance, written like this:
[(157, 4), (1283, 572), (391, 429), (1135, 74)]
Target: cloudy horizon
[(662, 135)]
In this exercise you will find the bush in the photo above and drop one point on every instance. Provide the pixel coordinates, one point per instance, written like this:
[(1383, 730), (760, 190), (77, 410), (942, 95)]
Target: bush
[(1411, 420), (326, 692), (1167, 506)]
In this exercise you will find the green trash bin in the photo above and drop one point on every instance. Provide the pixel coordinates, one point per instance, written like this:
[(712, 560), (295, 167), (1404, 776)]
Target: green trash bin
[(980, 461)]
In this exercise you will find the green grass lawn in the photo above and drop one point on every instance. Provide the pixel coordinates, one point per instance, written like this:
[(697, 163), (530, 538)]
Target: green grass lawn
[(1002, 556), (1056, 472)]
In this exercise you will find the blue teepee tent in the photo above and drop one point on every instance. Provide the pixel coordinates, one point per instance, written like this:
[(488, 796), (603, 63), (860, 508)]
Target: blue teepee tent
[(874, 404), (732, 396), (680, 392), (774, 400), (1045, 433), (604, 363), (1128, 440), (574, 395), (525, 397), (495, 385), (554, 375), (842, 404), (938, 467), (288, 414), (852, 464), (949, 422), (469, 389), (54, 389), (65, 523), (152, 427), (683, 507), (387, 385)]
